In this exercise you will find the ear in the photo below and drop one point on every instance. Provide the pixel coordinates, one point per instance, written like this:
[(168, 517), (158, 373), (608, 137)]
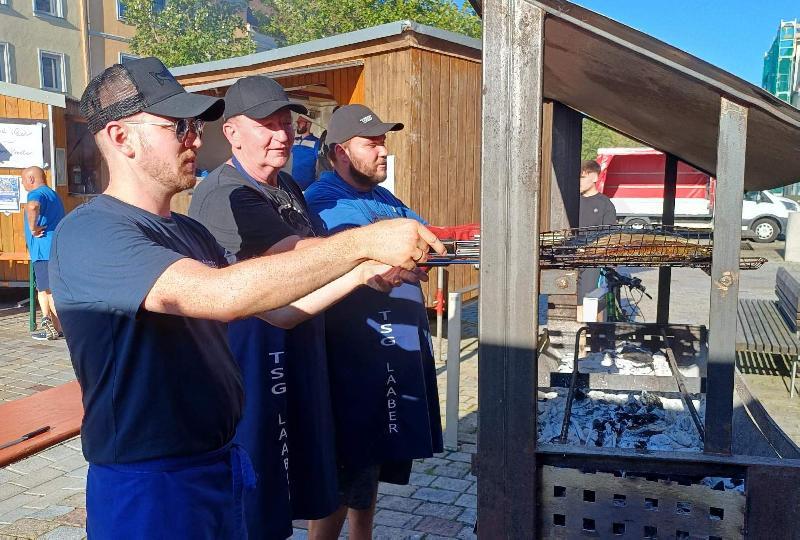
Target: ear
[(119, 137), (231, 132)]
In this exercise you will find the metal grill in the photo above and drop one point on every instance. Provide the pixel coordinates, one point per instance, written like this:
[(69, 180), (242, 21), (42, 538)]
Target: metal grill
[(609, 245), (613, 245), (577, 504)]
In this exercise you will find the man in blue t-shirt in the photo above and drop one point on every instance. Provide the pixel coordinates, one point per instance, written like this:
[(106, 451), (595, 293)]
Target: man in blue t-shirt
[(383, 379), (143, 295), (43, 212), (305, 151)]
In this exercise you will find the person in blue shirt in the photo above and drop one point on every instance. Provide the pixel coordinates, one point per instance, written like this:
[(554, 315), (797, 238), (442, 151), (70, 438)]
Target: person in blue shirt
[(305, 151), (380, 361), (144, 296), (252, 208), (43, 212)]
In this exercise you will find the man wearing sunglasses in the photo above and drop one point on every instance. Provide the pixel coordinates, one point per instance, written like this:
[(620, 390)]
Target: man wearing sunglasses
[(143, 296), (252, 207)]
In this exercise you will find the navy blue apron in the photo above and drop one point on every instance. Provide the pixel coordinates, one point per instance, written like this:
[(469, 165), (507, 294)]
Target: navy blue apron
[(287, 422), (260, 350), (383, 379), (312, 473), (198, 497)]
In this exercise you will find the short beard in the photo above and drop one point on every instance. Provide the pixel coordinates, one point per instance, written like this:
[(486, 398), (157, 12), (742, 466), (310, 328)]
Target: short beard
[(169, 175), (301, 130), (365, 180)]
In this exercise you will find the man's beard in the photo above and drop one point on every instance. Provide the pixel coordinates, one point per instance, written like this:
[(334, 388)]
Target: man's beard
[(167, 172), (366, 180), (302, 130)]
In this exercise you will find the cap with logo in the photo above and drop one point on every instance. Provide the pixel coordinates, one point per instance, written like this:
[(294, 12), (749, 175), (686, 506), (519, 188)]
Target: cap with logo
[(142, 85), (257, 97), (357, 121)]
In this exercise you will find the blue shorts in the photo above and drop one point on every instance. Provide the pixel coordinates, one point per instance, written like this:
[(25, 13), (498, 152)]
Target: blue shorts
[(197, 497), (40, 273)]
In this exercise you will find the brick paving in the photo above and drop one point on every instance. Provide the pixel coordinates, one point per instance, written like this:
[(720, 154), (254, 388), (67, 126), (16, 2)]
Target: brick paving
[(43, 496)]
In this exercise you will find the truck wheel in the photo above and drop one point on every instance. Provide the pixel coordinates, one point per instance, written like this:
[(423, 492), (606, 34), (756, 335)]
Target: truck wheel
[(766, 230), (638, 223)]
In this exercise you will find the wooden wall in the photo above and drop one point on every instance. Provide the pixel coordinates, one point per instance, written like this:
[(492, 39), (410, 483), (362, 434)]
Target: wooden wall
[(12, 228), (346, 85), (437, 165)]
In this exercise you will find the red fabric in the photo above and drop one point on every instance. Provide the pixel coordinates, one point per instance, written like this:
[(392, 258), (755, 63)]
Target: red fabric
[(467, 231)]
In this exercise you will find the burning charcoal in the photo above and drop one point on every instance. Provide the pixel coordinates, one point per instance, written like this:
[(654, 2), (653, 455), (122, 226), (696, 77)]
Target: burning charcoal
[(659, 442)]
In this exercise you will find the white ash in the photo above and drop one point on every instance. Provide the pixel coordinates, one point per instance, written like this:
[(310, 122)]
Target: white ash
[(620, 420), (723, 484), (627, 359)]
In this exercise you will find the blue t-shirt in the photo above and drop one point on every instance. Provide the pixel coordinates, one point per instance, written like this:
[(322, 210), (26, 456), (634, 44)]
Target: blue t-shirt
[(51, 212), (383, 378), (304, 160), (154, 385)]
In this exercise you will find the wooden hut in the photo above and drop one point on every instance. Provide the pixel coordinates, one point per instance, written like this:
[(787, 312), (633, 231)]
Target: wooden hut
[(33, 131), (426, 78)]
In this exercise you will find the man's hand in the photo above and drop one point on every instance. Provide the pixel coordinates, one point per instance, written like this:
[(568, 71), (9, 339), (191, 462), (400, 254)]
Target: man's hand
[(384, 278), (402, 243), (38, 232)]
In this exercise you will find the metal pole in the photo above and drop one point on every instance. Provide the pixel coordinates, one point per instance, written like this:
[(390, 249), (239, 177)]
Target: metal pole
[(31, 298), (731, 148), (513, 42), (667, 218), (453, 370), (440, 281)]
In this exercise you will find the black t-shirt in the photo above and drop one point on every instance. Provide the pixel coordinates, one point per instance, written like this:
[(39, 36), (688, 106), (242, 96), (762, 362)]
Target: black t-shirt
[(153, 385), (247, 219), (595, 210)]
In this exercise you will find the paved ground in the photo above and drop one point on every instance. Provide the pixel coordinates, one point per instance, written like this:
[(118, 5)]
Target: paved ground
[(43, 497)]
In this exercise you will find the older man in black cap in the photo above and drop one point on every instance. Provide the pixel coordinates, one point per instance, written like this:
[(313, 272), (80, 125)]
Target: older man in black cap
[(143, 300), (252, 208), (383, 380)]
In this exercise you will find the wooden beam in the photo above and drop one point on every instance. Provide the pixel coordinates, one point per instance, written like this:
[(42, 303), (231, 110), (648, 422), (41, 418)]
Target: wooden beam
[(731, 148), (512, 117), (667, 218), (566, 160)]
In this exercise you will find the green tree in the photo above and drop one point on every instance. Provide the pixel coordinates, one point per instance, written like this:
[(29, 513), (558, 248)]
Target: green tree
[(297, 21), (188, 31), (598, 136)]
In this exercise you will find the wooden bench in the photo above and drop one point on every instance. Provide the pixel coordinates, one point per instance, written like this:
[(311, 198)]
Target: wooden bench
[(770, 326)]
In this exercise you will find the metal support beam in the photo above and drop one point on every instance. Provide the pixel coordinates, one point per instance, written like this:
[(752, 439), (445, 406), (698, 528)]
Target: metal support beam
[(667, 218), (512, 109), (731, 148)]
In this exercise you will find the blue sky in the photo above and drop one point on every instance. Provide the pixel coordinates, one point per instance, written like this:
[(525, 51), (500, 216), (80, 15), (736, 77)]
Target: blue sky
[(731, 34)]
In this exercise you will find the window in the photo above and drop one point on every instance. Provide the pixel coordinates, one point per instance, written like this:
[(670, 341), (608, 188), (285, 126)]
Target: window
[(51, 68), (123, 57), (48, 7), (121, 10), (4, 69)]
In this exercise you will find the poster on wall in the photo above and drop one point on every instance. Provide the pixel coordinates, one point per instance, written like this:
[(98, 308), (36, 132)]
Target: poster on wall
[(11, 191), (21, 145)]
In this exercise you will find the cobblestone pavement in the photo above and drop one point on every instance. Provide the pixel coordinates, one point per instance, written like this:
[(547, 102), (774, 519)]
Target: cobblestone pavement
[(43, 496)]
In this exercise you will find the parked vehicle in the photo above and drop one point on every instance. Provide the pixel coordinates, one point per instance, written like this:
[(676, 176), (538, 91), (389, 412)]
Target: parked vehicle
[(634, 180)]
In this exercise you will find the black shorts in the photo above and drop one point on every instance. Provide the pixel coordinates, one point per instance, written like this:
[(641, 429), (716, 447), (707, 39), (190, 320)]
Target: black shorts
[(358, 486), (40, 273)]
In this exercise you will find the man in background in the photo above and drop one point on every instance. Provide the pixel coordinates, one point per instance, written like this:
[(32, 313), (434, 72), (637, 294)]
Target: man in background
[(596, 209), (42, 213), (304, 153)]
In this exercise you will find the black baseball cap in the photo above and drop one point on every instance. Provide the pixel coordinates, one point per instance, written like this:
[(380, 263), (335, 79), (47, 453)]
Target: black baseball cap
[(357, 121), (257, 97), (142, 85)]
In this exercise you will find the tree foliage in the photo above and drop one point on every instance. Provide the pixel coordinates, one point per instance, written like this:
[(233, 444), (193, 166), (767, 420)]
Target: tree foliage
[(188, 31), (598, 136), (297, 21)]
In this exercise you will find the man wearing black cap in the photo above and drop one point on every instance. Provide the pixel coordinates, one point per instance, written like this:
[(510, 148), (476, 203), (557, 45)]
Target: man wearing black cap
[(252, 208), (383, 380), (143, 301)]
